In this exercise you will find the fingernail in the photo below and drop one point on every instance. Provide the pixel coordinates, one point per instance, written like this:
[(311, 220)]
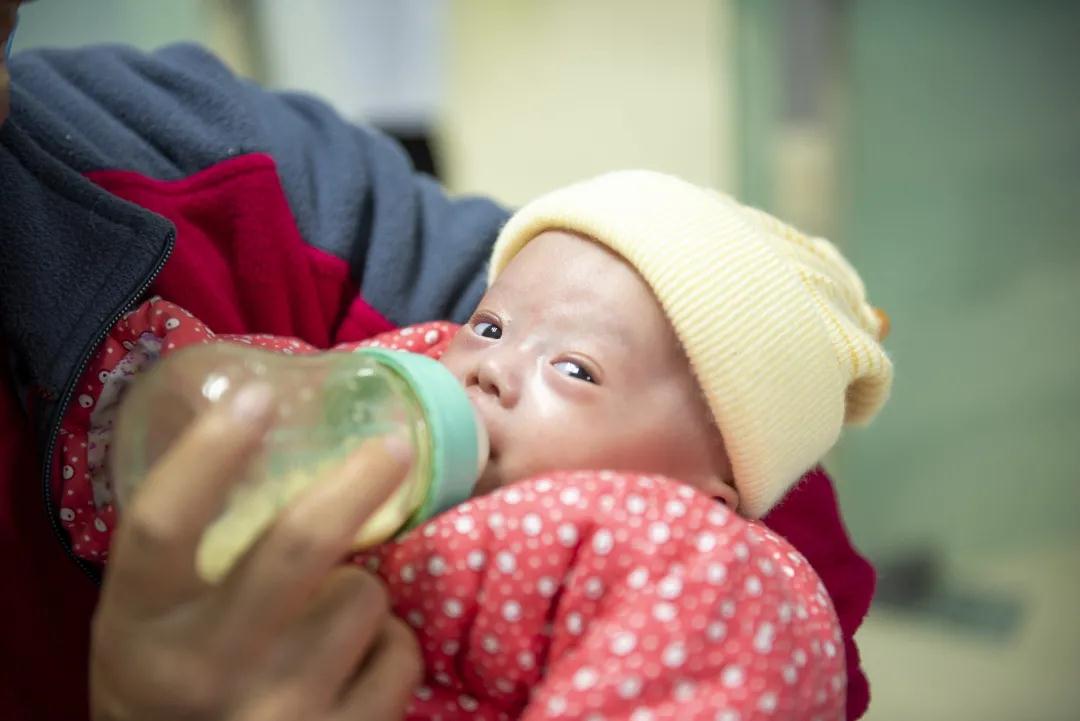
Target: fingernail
[(252, 402), (399, 447)]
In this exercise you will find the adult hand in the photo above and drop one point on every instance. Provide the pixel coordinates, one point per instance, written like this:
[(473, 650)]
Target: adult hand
[(290, 633)]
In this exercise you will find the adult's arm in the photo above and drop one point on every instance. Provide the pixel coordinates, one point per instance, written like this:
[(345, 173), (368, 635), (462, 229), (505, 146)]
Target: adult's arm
[(416, 253)]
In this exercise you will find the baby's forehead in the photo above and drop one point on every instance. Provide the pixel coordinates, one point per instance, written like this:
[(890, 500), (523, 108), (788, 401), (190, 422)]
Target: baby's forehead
[(585, 287), (583, 309)]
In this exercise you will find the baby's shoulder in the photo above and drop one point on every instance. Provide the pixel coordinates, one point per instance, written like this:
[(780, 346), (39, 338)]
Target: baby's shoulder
[(604, 568), (671, 530), (621, 530)]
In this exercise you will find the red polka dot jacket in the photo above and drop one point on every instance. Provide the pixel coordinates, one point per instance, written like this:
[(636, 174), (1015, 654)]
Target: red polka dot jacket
[(576, 595)]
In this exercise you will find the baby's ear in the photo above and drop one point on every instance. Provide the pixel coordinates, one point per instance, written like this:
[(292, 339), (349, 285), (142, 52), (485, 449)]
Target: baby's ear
[(723, 491)]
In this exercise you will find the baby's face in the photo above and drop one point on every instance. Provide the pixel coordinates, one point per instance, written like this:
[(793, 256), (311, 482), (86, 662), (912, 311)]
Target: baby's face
[(572, 365)]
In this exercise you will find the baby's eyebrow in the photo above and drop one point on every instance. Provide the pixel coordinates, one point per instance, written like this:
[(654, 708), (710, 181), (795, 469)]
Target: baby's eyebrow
[(614, 333)]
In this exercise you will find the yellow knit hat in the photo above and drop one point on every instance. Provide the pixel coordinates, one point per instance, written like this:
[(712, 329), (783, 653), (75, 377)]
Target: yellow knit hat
[(775, 324)]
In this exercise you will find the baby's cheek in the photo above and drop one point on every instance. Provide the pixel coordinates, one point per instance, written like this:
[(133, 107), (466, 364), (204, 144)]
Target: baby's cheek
[(594, 446), (528, 454), (490, 481), (560, 435)]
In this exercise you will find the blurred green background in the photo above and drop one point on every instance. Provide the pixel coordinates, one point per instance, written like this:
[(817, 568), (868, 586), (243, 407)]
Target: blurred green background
[(937, 142)]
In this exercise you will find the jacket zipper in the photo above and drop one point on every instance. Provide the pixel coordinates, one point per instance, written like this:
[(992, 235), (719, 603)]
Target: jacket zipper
[(65, 399)]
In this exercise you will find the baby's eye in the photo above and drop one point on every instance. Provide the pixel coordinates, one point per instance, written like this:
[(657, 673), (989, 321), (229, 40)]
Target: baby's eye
[(487, 329), (574, 370)]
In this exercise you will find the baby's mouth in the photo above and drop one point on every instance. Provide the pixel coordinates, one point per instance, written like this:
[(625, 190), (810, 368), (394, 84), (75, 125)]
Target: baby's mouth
[(481, 407)]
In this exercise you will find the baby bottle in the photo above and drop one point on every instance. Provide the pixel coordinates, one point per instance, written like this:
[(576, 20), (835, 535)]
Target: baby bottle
[(327, 404)]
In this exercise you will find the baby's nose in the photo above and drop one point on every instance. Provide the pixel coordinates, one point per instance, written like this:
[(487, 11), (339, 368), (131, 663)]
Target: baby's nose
[(497, 379)]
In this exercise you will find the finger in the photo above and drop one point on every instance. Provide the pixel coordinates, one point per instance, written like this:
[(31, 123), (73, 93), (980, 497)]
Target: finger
[(186, 489), (383, 687), (279, 574), (333, 636)]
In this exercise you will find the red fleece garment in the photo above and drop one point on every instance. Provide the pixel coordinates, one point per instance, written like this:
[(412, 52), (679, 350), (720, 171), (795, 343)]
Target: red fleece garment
[(239, 263), (585, 595)]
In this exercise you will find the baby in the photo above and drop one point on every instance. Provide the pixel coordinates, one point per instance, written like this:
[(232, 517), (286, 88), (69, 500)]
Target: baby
[(672, 348), (570, 350), (636, 323), (640, 323)]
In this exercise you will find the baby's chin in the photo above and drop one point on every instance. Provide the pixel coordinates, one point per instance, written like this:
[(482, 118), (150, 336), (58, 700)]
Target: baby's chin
[(490, 480), (499, 473)]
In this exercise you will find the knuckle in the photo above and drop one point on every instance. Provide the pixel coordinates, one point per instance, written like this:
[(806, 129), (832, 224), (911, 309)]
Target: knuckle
[(297, 541), (366, 592), (144, 529), (176, 680)]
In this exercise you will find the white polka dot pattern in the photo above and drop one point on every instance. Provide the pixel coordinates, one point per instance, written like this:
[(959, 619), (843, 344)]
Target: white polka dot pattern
[(584, 613), (153, 330)]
